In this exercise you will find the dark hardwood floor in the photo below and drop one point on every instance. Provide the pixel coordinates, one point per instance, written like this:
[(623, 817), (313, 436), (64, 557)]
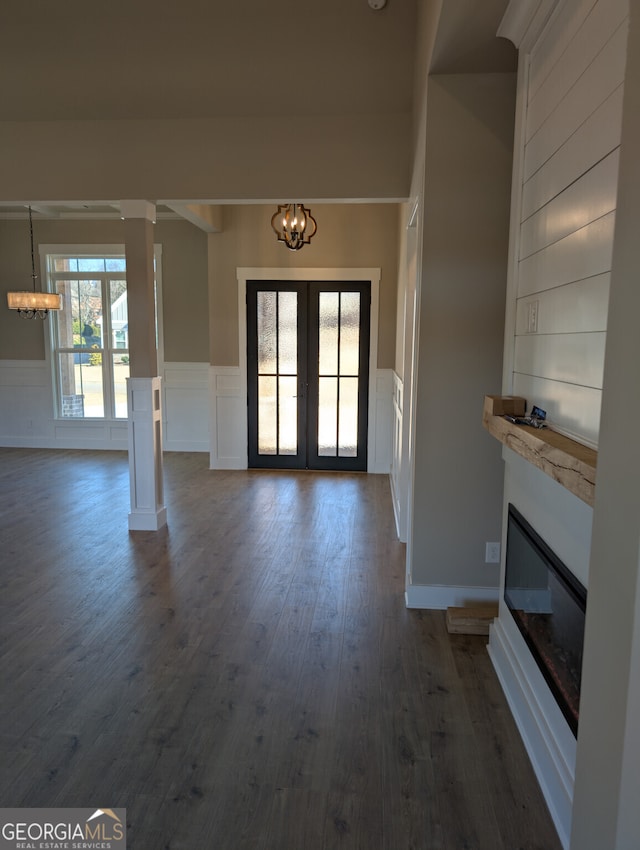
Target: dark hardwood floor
[(248, 678)]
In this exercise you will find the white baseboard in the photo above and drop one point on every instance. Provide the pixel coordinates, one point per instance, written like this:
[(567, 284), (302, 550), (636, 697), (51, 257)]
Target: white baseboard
[(548, 740), (440, 597), (148, 520)]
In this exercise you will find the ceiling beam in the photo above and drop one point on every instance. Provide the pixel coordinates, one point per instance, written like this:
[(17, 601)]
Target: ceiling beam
[(49, 212), (207, 217)]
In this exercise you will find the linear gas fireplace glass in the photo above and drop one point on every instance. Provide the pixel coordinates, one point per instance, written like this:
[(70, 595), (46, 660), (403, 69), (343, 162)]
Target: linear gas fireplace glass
[(548, 604)]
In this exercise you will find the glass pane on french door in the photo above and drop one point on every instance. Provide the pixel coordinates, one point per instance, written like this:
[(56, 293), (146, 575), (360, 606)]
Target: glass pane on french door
[(308, 351), (338, 359), (277, 317), (338, 375), (276, 358)]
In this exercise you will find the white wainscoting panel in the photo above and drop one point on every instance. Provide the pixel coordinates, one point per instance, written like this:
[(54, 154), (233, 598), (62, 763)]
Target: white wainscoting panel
[(24, 373), (186, 407), (25, 403), (92, 434), (26, 411), (228, 416), (26, 414), (380, 440)]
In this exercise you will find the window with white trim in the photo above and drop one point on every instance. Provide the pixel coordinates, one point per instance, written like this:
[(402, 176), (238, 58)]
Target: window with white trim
[(90, 335)]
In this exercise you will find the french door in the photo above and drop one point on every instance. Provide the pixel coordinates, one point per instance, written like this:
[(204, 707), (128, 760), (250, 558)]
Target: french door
[(308, 374)]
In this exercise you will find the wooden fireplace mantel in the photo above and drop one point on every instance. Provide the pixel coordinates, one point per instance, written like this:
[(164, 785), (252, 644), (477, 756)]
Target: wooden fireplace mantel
[(566, 461)]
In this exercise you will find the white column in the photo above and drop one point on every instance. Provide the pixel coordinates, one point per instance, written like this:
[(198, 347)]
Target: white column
[(148, 512)]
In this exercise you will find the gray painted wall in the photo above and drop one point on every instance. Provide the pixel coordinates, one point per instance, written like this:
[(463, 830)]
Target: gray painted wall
[(458, 471)]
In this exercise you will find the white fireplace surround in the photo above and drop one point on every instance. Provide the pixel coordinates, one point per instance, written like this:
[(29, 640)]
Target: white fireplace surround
[(564, 522), (546, 735)]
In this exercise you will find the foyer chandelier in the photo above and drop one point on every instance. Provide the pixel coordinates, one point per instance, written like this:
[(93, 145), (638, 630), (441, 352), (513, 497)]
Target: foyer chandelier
[(34, 304), (294, 225)]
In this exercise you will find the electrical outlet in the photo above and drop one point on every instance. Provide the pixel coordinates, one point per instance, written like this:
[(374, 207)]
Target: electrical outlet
[(492, 553), (532, 317)]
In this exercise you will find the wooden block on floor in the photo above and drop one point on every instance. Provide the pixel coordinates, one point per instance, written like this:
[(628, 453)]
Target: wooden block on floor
[(471, 619)]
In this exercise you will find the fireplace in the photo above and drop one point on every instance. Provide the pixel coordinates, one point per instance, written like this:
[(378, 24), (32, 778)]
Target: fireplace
[(548, 605)]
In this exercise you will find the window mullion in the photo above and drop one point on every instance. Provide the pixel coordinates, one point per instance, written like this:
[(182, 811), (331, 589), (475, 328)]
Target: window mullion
[(107, 370)]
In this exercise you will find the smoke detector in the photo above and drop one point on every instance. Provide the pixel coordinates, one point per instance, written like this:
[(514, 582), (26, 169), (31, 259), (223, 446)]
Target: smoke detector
[(377, 4)]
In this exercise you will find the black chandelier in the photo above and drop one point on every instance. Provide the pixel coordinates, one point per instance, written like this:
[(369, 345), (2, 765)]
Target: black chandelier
[(294, 225)]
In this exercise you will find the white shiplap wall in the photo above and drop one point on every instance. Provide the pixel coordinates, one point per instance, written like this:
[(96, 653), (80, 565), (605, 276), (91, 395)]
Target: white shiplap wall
[(573, 113)]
